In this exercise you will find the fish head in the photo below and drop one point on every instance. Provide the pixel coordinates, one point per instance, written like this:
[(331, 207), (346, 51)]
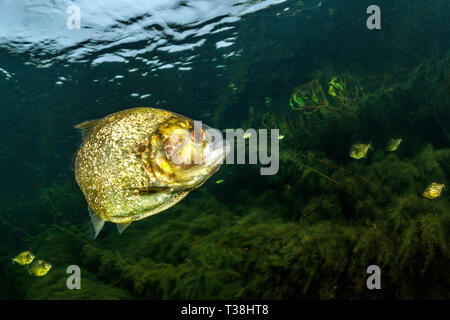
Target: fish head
[(29, 257), (45, 266), (185, 153)]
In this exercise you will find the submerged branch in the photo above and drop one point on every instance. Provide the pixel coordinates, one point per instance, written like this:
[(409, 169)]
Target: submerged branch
[(332, 181)]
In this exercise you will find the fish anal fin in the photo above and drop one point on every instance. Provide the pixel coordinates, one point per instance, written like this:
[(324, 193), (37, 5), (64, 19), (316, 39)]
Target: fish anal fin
[(86, 127), (122, 226), (97, 222)]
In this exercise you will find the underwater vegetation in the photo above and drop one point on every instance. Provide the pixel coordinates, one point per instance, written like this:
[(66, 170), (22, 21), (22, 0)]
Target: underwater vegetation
[(308, 232)]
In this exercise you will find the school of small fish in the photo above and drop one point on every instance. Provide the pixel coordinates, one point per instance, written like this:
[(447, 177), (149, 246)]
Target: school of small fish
[(359, 151), (37, 268)]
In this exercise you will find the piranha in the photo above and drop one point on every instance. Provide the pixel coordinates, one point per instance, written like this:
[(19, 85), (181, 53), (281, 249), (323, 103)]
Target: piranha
[(39, 268), (24, 258), (393, 144), (434, 190), (359, 150), (138, 162)]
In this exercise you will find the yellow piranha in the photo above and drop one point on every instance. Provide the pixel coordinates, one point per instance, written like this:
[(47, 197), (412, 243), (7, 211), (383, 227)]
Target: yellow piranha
[(24, 258), (433, 191), (359, 150), (393, 144), (138, 162), (39, 268)]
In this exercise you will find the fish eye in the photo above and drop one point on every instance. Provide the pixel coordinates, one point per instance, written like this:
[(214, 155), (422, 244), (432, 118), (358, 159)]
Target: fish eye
[(198, 136)]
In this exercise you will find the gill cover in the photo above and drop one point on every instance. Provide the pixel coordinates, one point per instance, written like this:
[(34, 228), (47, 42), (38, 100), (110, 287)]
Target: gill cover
[(178, 154)]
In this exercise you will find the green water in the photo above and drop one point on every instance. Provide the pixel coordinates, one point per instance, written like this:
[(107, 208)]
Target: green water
[(308, 232)]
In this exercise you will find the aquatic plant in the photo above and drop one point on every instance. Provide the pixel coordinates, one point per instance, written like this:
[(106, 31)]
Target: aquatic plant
[(296, 235)]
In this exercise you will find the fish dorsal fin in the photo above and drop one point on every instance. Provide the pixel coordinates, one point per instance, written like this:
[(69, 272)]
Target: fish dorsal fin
[(97, 222), (86, 127), (122, 226)]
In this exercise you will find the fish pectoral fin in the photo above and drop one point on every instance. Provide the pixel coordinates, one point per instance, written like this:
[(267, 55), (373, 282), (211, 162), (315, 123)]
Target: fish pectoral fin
[(97, 222), (86, 127), (122, 226), (148, 190)]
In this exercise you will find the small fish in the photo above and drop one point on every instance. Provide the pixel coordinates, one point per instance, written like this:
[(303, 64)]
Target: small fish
[(433, 191), (233, 87), (24, 258), (359, 150), (393, 144), (39, 268), (220, 181)]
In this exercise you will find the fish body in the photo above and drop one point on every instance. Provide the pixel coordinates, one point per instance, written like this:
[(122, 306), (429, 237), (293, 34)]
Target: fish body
[(393, 144), (359, 150), (39, 268), (138, 162), (24, 258), (433, 191)]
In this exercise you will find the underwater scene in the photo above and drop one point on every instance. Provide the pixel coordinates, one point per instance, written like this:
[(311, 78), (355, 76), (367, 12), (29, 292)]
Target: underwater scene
[(124, 174)]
